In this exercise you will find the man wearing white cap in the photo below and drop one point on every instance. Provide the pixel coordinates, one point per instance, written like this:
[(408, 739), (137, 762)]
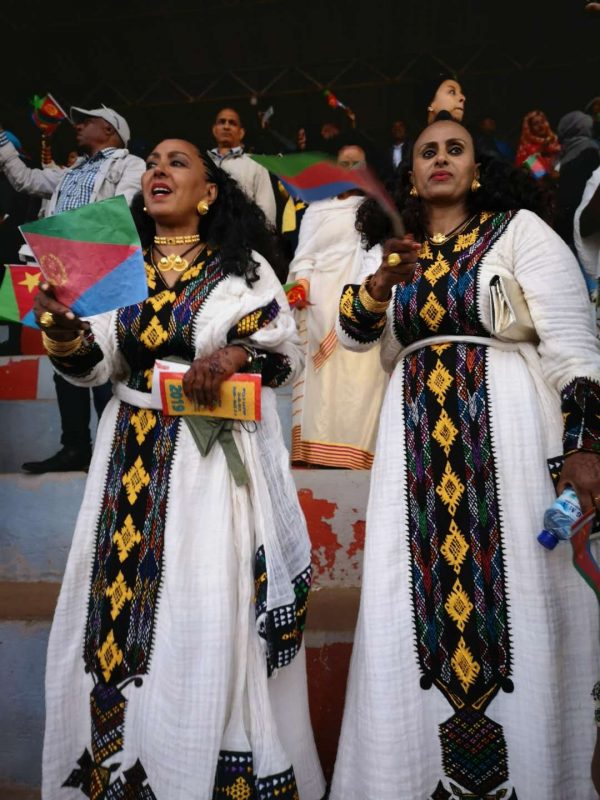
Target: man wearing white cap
[(106, 170)]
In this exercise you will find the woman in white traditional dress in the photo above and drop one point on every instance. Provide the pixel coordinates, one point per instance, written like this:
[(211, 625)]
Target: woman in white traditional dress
[(187, 581), (336, 402), (476, 649)]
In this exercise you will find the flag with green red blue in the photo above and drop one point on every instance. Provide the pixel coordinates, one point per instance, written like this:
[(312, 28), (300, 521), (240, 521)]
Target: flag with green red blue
[(91, 256), (315, 176), (17, 293)]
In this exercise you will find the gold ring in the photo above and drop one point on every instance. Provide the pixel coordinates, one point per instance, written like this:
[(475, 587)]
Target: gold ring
[(47, 319), (394, 259)]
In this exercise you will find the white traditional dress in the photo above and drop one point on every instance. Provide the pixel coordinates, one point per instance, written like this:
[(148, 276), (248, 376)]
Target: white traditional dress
[(336, 402), (476, 649), (185, 586)]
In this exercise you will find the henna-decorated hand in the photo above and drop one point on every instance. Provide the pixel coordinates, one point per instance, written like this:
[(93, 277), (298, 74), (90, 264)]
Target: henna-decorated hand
[(202, 382)]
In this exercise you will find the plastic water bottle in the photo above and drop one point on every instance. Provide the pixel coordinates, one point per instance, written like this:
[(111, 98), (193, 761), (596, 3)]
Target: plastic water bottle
[(563, 512)]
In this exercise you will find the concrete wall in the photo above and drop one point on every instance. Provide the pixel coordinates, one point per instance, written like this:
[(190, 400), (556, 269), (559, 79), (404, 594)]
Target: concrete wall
[(36, 524)]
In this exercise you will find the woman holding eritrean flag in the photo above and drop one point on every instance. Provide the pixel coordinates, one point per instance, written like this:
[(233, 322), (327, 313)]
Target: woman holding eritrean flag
[(186, 587), (538, 146)]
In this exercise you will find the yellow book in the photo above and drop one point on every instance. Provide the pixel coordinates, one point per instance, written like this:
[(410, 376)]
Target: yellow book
[(240, 395)]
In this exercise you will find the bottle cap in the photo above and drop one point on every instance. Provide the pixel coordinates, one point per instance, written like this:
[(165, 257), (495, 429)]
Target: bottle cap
[(547, 539)]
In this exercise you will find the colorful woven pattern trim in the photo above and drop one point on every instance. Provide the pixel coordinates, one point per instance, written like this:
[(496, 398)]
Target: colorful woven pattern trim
[(281, 627)]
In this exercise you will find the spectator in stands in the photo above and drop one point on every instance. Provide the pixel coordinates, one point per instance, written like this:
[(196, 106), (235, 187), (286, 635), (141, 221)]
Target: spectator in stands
[(537, 139), (488, 143), (107, 170), (579, 157), (397, 154), (229, 134)]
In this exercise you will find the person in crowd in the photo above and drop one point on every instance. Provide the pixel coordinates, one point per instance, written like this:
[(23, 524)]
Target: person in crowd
[(538, 138), (336, 402), (476, 649), (579, 157), (593, 109), (187, 581), (397, 154), (229, 133), (441, 93), (488, 144), (586, 236), (107, 170)]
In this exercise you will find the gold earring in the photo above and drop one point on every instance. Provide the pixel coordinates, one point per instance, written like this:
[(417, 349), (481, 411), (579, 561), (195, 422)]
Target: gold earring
[(145, 209), (202, 208), (475, 185), (413, 191)]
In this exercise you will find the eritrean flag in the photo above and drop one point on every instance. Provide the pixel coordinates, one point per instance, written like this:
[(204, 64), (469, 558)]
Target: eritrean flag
[(535, 165), (315, 176), (92, 256), (17, 293), (583, 560)]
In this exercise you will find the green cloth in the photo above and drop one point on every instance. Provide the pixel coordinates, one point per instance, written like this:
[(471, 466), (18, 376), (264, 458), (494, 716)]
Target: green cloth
[(208, 430)]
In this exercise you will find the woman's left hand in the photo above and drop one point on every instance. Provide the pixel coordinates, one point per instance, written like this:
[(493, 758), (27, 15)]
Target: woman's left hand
[(582, 472), (202, 382)]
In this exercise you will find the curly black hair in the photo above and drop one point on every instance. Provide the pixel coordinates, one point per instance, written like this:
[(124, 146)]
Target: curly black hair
[(234, 224), (503, 188)]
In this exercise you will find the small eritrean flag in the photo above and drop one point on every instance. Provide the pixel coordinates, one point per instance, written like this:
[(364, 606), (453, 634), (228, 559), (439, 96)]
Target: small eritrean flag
[(315, 176), (535, 165), (17, 293), (46, 113), (583, 560), (332, 100), (92, 256)]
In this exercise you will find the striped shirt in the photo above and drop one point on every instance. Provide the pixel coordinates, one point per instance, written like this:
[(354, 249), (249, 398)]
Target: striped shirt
[(78, 184)]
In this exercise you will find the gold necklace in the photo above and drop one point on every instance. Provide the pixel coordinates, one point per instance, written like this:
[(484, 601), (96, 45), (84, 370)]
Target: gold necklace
[(192, 238), (442, 238), (174, 261)]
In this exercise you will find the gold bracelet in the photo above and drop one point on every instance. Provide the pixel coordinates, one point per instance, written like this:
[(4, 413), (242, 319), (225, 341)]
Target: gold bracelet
[(372, 305), (61, 349)]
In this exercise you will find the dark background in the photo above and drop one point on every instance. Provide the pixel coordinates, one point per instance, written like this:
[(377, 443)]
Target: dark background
[(169, 66)]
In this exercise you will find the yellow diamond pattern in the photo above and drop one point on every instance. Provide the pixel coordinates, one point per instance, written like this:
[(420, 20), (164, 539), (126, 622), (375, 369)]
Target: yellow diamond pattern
[(240, 790), (432, 312), (459, 606), (437, 270), (346, 304), (109, 655), (439, 381), (455, 548), (148, 374), (154, 334), (193, 271), (150, 276), (126, 538), (450, 489), (425, 253), (445, 432), (466, 240), (118, 593), (135, 479), (249, 324), (438, 349), (161, 299), (464, 665), (143, 421), (484, 216)]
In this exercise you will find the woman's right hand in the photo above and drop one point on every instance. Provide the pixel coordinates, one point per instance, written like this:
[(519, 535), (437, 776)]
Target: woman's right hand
[(65, 323), (388, 275)]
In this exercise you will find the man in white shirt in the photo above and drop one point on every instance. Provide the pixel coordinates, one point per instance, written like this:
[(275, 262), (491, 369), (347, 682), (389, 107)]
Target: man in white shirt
[(229, 154)]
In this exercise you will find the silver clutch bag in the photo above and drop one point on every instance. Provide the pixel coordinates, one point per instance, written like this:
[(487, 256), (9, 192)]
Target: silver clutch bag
[(510, 317)]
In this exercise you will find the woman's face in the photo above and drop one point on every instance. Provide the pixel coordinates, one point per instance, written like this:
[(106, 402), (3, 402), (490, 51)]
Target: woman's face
[(537, 125), (449, 97), (175, 182), (444, 163)]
